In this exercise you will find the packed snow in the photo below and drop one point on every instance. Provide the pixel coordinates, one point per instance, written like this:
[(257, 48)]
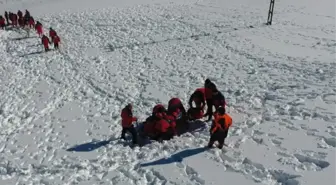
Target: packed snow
[(60, 111)]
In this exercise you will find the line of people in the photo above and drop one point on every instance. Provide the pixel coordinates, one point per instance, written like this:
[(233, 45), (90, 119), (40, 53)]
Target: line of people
[(164, 123), (27, 22)]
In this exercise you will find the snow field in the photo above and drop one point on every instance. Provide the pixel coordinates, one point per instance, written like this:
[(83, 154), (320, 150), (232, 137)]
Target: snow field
[(278, 80)]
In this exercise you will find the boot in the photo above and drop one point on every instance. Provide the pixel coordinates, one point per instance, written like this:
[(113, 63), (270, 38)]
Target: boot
[(210, 144)]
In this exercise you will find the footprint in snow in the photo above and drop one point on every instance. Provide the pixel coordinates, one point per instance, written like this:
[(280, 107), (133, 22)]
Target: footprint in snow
[(307, 160)]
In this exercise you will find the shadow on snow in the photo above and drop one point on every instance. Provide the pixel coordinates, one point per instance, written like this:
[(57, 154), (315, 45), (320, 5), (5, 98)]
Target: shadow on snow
[(33, 53), (195, 126), (87, 147), (37, 52), (23, 38), (178, 157)]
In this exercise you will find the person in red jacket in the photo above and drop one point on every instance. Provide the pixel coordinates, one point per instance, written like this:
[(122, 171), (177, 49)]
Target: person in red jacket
[(158, 112), (127, 120), (52, 34), (149, 127), (171, 118), (45, 42), (175, 106), (209, 87), (164, 130), (21, 22), (39, 28), (2, 22), (177, 115), (56, 41), (14, 19), (31, 22), (161, 128), (198, 98)]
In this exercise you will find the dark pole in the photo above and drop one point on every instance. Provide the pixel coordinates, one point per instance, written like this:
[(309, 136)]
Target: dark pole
[(270, 13)]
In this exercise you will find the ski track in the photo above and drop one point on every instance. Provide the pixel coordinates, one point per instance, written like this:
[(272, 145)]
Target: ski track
[(149, 53)]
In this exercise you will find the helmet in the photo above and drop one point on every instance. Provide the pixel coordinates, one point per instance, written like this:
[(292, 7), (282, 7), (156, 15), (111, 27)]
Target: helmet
[(207, 81), (221, 110), (129, 106), (158, 108)]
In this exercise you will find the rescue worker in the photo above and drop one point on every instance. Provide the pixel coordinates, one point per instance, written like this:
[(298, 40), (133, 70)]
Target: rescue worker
[(171, 118), (127, 120), (209, 86), (218, 99), (177, 116), (45, 42), (220, 127), (27, 17), (164, 129), (7, 17), (52, 34), (39, 28), (21, 22), (56, 41), (13, 18), (31, 22), (149, 128), (27, 14), (175, 105), (20, 15), (149, 125), (198, 98), (2, 22)]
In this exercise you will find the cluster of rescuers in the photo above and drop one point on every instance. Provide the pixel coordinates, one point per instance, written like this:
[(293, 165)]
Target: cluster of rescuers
[(164, 123), (27, 21)]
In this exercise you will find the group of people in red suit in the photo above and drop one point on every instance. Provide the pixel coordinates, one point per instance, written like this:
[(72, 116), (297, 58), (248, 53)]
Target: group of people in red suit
[(164, 124), (19, 20)]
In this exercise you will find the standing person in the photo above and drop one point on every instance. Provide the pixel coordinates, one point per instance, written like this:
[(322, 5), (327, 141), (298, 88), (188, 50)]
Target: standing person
[(2, 22), (220, 128), (13, 18), (19, 13), (7, 17), (31, 22), (45, 42), (52, 34), (127, 120), (39, 28), (27, 17), (218, 99), (56, 41), (208, 85), (27, 14), (21, 22)]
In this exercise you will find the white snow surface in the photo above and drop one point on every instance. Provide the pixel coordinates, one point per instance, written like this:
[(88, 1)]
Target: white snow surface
[(279, 82)]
